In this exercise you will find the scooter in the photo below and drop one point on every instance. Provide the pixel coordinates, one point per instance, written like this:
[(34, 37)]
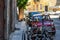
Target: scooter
[(36, 36), (50, 37)]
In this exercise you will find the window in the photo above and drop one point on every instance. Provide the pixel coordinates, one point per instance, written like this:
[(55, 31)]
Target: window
[(33, 7), (37, 7), (40, 6), (36, 0), (46, 8)]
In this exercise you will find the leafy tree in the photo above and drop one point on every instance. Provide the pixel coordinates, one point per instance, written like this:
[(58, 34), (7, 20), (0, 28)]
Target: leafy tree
[(21, 3)]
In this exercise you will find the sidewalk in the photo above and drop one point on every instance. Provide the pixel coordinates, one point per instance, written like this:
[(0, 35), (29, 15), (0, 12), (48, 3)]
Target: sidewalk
[(18, 34)]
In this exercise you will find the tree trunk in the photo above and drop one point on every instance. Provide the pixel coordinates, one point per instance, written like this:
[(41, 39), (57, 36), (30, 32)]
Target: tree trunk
[(21, 14)]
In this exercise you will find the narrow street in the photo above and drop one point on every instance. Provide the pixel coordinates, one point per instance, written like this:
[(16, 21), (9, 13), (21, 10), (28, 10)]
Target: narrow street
[(18, 34), (57, 25)]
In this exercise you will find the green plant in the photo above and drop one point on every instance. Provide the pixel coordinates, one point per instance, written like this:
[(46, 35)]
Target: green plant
[(21, 3)]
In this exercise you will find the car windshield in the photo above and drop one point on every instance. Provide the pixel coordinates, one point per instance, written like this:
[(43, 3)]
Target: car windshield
[(37, 18), (46, 17)]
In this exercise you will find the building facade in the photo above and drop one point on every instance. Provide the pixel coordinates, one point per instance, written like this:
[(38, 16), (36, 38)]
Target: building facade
[(39, 5), (58, 2), (10, 17), (7, 18), (56, 7)]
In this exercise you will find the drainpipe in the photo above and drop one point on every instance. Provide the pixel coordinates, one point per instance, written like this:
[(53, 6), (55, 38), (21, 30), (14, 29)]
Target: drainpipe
[(7, 18)]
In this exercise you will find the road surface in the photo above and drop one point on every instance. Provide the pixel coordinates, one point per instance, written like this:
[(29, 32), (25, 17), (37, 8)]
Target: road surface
[(57, 25)]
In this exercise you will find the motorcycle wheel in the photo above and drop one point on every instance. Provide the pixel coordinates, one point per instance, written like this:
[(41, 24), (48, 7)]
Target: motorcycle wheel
[(44, 38)]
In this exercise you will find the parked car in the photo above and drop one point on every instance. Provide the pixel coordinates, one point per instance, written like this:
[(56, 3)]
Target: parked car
[(30, 17), (36, 21), (47, 22), (35, 25)]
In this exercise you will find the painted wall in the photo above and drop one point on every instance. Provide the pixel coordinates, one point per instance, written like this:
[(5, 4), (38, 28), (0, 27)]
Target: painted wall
[(40, 6)]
